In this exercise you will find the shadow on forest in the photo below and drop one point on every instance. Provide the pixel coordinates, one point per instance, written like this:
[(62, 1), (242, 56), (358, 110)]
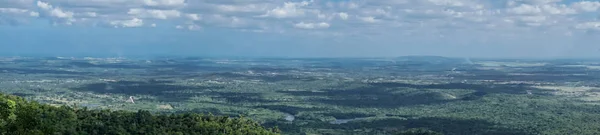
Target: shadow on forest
[(447, 126), (536, 77), (271, 69), (266, 78), (187, 70), (378, 94), (482, 89), (165, 91), (451, 126), (549, 73), (287, 109), (232, 97), (338, 115), (161, 89), (188, 65), (369, 97), (40, 71), (206, 111), (82, 64)]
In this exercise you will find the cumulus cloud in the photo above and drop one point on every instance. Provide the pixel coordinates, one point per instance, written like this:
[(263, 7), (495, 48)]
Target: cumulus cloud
[(193, 27), (369, 19), (410, 17), (188, 27), (587, 6), (135, 22), (152, 13), (55, 13), (179, 27), (15, 16), (589, 26), (527, 9), (343, 15), (175, 3), (16, 12), (13, 11), (303, 25), (34, 14), (241, 8), (193, 17), (289, 9)]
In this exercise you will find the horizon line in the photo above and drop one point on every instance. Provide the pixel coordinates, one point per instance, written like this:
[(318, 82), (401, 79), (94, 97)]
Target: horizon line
[(282, 57)]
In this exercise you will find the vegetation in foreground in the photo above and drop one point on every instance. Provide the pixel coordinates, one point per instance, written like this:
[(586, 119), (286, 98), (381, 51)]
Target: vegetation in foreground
[(21, 117)]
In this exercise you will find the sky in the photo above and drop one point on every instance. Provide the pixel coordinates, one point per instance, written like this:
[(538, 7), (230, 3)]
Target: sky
[(295, 28)]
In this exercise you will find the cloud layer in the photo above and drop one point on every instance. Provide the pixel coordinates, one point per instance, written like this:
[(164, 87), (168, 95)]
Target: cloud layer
[(345, 18)]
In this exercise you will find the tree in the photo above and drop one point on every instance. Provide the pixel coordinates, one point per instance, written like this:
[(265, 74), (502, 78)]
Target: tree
[(418, 131), (18, 116), (7, 112)]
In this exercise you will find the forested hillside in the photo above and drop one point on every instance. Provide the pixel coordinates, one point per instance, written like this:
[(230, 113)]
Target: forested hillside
[(21, 117)]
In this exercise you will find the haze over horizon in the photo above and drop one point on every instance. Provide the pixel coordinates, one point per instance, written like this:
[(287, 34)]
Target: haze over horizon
[(309, 28)]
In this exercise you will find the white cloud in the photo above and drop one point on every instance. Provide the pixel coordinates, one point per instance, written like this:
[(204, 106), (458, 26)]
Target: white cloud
[(587, 6), (537, 2), (543, 8), (321, 16), (188, 27), (224, 21), (91, 14), (289, 9), (44, 5), (526, 9), (13, 10), (303, 25), (412, 17), (57, 14), (164, 2), (193, 17), (558, 9), (54, 11), (241, 8), (16, 12), (533, 19), (352, 5), (152, 13), (416, 21), (369, 19), (457, 3), (135, 22), (588, 26), (193, 27), (34, 14), (343, 15)]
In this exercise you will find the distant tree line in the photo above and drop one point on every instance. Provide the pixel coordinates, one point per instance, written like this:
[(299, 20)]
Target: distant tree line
[(21, 117)]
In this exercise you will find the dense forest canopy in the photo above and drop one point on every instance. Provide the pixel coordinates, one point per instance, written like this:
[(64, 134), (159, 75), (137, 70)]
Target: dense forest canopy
[(21, 117)]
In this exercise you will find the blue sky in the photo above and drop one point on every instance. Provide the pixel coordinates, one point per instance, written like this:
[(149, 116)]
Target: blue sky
[(309, 28)]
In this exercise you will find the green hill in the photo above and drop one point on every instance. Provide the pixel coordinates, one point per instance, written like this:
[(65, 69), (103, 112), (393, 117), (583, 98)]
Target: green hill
[(21, 117)]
